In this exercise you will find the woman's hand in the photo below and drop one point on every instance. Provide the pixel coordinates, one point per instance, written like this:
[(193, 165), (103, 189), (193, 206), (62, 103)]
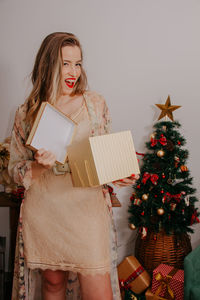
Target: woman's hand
[(45, 158), (126, 181)]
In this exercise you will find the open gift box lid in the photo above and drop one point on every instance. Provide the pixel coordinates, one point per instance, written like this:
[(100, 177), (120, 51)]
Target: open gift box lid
[(51, 130)]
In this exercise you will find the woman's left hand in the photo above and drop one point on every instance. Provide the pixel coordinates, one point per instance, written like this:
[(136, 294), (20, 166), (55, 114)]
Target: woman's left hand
[(126, 181)]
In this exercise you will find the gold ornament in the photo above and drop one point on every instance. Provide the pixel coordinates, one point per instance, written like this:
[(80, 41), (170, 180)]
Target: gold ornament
[(160, 153), (145, 197), (167, 109), (132, 226), (160, 211)]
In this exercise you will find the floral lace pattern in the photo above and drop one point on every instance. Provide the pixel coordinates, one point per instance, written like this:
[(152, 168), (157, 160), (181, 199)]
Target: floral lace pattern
[(26, 282)]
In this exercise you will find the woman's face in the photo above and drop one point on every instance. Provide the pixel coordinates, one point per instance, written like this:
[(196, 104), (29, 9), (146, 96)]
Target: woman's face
[(71, 68)]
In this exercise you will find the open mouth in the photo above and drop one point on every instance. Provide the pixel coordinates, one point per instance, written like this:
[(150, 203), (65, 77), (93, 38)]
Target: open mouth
[(70, 82)]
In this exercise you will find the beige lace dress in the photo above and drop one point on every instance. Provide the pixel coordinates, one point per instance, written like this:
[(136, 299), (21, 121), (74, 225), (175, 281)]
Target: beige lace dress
[(64, 227)]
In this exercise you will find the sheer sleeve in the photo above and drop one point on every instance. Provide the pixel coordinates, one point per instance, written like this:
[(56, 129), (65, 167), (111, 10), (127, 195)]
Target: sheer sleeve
[(21, 158), (105, 120), (98, 112)]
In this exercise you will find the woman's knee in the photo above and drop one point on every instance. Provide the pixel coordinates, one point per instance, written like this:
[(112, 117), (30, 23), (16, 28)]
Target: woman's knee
[(96, 287), (53, 281)]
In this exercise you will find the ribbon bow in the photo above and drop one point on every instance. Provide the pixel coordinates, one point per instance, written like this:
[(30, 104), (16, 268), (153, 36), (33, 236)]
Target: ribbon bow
[(164, 283), (162, 140), (152, 177), (168, 197), (125, 284)]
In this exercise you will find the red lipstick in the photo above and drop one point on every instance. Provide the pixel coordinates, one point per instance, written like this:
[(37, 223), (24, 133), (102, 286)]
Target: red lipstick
[(70, 82)]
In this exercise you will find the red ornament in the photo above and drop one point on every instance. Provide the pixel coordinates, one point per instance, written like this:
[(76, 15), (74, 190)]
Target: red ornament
[(163, 175), (179, 143), (155, 196), (155, 237), (142, 214), (138, 186), (169, 217), (194, 218), (162, 192), (132, 197)]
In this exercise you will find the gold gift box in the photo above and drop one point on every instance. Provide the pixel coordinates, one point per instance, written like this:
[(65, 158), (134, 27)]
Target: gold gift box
[(128, 266), (102, 159)]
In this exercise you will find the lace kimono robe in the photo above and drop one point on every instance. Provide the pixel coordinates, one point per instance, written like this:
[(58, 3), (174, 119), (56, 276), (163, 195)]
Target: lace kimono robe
[(27, 282)]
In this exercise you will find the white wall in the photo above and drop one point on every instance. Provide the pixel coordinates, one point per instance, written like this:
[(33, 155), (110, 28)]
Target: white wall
[(136, 53)]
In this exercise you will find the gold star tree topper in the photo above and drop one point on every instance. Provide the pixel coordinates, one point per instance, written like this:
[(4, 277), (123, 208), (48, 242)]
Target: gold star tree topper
[(167, 109)]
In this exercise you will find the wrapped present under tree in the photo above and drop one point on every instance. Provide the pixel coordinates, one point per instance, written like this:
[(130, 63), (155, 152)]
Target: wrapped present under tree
[(168, 282), (132, 276)]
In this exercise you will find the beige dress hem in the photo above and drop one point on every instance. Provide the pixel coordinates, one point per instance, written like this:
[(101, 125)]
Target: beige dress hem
[(82, 270)]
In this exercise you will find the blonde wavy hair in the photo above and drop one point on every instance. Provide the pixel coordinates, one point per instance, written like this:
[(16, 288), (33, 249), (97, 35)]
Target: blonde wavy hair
[(46, 72)]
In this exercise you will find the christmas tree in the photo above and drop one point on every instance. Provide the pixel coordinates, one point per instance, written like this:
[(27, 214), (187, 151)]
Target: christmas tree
[(163, 197)]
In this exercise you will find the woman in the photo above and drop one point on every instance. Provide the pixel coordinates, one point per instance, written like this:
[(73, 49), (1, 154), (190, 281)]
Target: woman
[(64, 229)]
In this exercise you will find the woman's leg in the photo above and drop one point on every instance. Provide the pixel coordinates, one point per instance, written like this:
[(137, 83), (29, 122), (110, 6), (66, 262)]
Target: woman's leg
[(54, 285), (96, 287)]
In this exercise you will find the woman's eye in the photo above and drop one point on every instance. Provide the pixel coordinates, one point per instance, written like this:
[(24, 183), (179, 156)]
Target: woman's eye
[(65, 64), (78, 65)]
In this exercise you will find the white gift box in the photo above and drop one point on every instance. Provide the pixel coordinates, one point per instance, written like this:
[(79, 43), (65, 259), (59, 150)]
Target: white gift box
[(102, 159), (51, 130)]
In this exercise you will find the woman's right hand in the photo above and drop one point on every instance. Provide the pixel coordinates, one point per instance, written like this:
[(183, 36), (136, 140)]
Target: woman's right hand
[(45, 158)]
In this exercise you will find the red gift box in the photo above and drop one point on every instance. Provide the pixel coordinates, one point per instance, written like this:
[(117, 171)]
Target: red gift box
[(168, 282)]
